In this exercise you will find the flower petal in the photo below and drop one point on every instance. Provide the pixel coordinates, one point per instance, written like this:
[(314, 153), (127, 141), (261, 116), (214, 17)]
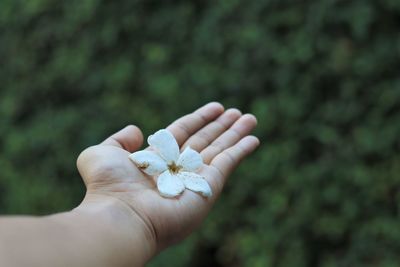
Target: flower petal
[(165, 144), (190, 160), (196, 183), (169, 185), (149, 162)]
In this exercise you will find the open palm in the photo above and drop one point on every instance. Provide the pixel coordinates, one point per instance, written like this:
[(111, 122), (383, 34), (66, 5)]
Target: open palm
[(220, 137)]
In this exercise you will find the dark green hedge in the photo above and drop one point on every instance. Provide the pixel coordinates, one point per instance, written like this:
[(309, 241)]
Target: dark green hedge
[(321, 76)]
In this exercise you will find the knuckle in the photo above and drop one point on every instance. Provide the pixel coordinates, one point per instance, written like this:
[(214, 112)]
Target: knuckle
[(235, 132), (204, 136), (230, 157), (201, 117)]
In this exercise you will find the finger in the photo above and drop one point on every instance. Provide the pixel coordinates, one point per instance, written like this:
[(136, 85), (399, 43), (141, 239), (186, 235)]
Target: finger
[(210, 132), (187, 125), (239, 129), (129, 138), (226, 161)]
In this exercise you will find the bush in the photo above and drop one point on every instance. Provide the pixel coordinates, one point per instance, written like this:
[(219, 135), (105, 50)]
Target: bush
[(321, 76)]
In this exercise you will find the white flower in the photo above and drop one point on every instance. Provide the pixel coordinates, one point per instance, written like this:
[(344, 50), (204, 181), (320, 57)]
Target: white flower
[(176, 171)]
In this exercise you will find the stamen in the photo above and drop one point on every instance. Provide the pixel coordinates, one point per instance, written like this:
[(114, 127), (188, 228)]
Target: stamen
[(143, 166), (173, 168)]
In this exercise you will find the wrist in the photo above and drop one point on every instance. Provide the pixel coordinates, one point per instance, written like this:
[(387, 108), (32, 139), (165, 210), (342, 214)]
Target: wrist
[(116, 220)]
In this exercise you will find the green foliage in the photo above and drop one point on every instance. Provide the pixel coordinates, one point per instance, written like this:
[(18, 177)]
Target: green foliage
[(321, 76)]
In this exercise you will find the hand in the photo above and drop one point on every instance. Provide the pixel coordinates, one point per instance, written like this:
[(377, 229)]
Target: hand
[(223, 140)]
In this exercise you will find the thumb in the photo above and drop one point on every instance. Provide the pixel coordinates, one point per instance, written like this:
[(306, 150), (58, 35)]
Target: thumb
[(129, 138)]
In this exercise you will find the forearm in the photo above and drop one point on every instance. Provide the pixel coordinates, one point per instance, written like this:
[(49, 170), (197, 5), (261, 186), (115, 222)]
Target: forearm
[(97, 233)]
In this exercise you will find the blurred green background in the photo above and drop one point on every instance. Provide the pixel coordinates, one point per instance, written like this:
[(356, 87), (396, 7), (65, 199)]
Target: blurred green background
[(321, 76)]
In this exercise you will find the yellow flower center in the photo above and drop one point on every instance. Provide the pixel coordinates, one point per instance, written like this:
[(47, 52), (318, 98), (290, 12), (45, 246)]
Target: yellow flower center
[(173, 168)]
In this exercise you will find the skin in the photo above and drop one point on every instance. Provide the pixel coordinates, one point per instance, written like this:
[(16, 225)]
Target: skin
[(123, 221)]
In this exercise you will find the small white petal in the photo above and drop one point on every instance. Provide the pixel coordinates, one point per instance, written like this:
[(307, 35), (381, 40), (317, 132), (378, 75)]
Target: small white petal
[(190, 160), (169, 185), (165, 144), (196, 183), (149, 162)]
